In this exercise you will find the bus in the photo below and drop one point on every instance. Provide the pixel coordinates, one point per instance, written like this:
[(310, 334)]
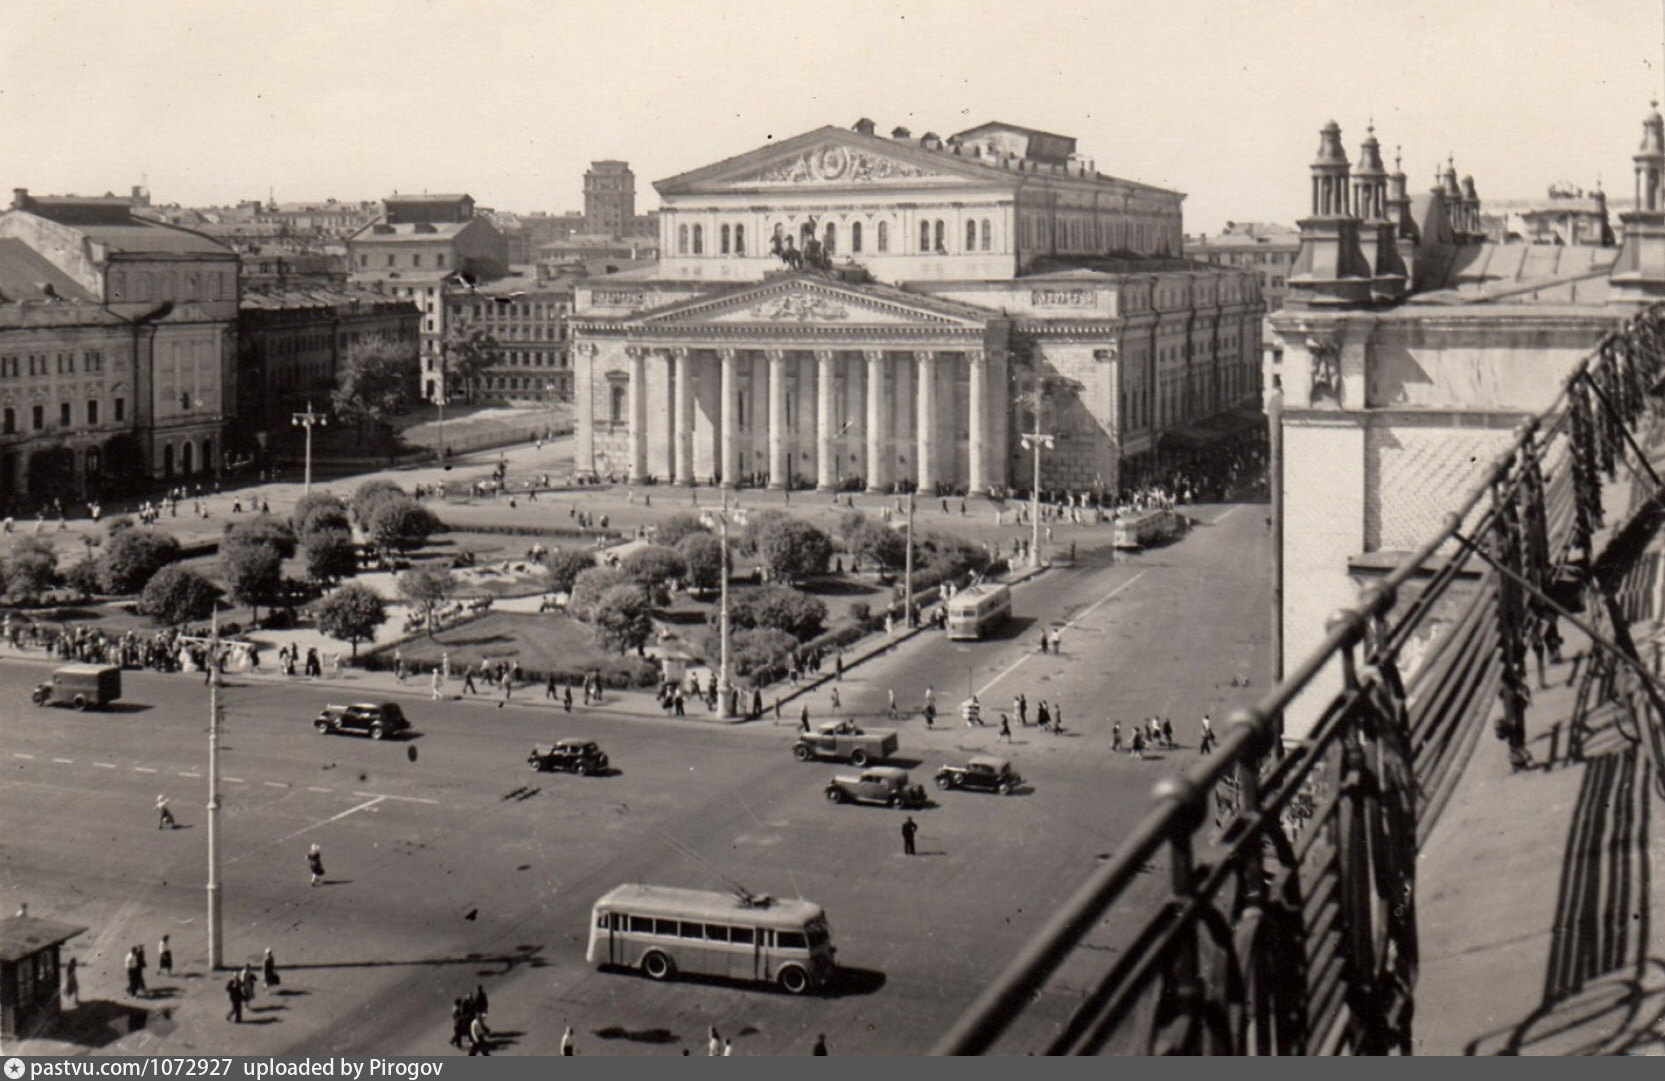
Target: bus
[(1144, 528), (975, 610), (663, 930)]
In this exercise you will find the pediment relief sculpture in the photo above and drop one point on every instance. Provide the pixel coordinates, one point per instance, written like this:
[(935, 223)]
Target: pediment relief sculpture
[(839, 165), (800, 307)]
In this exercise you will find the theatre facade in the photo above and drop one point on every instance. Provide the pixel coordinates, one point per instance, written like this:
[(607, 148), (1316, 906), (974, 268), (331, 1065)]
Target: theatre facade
[(841, 310)]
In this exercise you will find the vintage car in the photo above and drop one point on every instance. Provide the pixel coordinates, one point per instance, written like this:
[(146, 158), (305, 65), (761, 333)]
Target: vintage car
[(376, 720), (981, 772), (848, 741), (84, 686), (579, 756), (888, 785)]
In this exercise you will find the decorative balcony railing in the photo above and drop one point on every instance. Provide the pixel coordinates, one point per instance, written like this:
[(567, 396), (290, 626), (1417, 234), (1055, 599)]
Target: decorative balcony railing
[(1286, 923)]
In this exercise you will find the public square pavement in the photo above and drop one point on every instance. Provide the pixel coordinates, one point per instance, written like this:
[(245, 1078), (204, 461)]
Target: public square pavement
[(451, 863)]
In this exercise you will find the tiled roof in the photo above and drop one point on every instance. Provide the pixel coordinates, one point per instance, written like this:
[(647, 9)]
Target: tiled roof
[(1528, 274)]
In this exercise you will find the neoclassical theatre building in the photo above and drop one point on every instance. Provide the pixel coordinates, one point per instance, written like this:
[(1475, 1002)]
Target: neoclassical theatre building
[(843, 310)]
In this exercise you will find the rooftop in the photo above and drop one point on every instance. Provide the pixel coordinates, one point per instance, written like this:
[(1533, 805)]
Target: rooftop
[(25, 936), (26, 275)]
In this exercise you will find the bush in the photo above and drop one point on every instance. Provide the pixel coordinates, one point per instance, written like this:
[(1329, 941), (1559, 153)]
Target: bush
[(562, 565), (653, 566), (311, 504), (758, 523), (426, 589), (330, 554), (351, 614), (83, 577), (587, 590), (116, 525), (878, 545), (177, 594), (780, 608), (252, 573), (401, 523), (793, 550), (132, 556), (623, 617), (850, 523), (31, 569), (673, 530), (702, 553), (759, 655), (261, 529), (372, 494)]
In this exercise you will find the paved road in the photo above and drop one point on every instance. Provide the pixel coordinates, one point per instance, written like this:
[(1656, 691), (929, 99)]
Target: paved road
[(459, 865)]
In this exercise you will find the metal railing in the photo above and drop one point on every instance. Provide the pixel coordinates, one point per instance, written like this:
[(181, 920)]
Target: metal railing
[(1287, 921)]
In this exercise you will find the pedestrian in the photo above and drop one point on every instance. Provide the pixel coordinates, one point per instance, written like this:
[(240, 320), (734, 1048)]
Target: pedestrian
[(508, 687), (1020, 705), (234, 991), (246, 974), (713, 1044), (550, 690), (891, 707), (566, 699), (1167, 733), (315, 863), (1043, 641), (820, 1047), (462, 1015), (1005, 728), (1206, 745), (480, 1003), (835, 699), (164, 817), (728, 1048), (143, 964), (838, 665), (135, 979), (435, 684), (803, 718), (566, 1042), (468, 680), (1057, 640), (72, 984), (1116, 736), (478, 1037), (1043, 715), (399, 666), (268, 969), (909, 830), (164, 956), (1138, 749)]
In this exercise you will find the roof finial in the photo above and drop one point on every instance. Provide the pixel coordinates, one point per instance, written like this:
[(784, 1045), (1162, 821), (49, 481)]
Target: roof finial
[(1396, 158)]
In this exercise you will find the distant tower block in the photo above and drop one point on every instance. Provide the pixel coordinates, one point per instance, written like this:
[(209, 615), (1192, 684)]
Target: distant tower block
[(609, 198)]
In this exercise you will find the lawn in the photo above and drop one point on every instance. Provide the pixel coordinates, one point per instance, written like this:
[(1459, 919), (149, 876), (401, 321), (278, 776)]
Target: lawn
[(539, 643)]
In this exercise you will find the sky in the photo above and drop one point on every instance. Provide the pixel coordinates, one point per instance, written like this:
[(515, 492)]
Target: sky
[(215, 101)]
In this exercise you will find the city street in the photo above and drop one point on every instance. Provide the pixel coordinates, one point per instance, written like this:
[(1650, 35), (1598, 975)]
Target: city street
[(450, 863)]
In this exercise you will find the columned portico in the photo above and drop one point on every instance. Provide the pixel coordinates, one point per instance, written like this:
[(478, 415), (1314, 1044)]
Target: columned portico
[(730, 439), (683, 438), (876, 467), (826, 463), (977, 443), (925, 429), (636, 405), (780, 462)]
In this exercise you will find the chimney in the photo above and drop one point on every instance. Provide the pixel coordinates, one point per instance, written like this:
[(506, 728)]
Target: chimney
[(900, 133), (20, 198), (863, 126)]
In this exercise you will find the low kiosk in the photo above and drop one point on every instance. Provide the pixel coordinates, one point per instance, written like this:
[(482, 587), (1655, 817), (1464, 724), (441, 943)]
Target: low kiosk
[(29, 972)]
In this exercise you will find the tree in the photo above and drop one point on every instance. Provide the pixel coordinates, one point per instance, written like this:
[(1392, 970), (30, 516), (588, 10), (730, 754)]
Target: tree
[(31, 569), (753, 653), (672, 530), (426, 588), (377, 382), (781, 608), (623, 618), (879, 545), (759, 522), (324, 520), (372, 494), (83, 577), (793, 550), (850, 524), (131, 556), (653, 566), (177, 594), (312, 504), (703, 554), (401, 523), (469, 354), (562, 565), (330, 554), (351, 614), (261, 529), (252, 573), (588, 587)]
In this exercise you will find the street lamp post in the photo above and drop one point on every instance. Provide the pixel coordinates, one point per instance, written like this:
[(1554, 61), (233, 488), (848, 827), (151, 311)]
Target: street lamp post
[(907, 568), (1035, 440), (549, 433), (309, 420), (216, 941), (720, 518)]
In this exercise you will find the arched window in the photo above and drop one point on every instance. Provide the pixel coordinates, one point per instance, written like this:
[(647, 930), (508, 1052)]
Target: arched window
[(988, 235), (739, 240), (971, 235), (855, 238), (884, 236), (925, 236), (722, 240), (699, 240), (942, 237), (831, 241), (682, 240)]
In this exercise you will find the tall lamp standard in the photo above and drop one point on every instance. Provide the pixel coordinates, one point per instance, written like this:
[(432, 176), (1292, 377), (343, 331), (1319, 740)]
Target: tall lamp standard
[(309, 420), (1034, 441), (216, 939), (720, 519)]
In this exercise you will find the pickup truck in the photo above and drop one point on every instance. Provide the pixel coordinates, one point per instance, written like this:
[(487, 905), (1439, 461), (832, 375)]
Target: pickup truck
[(846, 741)]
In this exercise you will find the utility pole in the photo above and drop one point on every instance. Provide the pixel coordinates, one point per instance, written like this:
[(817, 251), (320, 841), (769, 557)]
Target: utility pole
[(907, 568), (1035, 440), (720, 518), (216, 941), (309, 420)]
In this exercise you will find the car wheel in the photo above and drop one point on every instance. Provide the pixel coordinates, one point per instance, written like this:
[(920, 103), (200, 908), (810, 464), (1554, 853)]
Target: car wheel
[(322, 727), (793, 980), (800, 752), (1006, 788), (896, 803), (378, 732), (81, 701), (656, 966), (945, 781), (858, 759), (835, 795)]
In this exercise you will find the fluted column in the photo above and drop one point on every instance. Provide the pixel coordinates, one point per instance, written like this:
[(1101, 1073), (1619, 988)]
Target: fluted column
[(636, 403), (729, 439), (683, 431), (926, 426), (978, 432), (876, 465), (780, 464), (826, 458), (583, 461)]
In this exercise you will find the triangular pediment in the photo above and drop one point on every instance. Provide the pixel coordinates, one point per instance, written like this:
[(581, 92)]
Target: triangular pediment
[(807, 300), (835, 158)]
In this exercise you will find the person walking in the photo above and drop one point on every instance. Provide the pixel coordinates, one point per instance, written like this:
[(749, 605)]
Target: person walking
[(315, 864), (1116, 736), (72, 983), (1005, 728), (550, 690), (1043, 715), (479, 1037), (508, 687), (1167, 733), (164, 956), (1138, 748), (468, 680), (890, 707), (910, 830), (234, 992), (139, 952), (820, 1047), (713, 1043), (435, 684), (268, 969), (1020, 705), (566, 1043), (246, 974), (1043, 641), (835, 700), (728, 1048), (462, 1016), (566, 699), (131, 964), (1206, 746), (481, 1005), (164, 817), (803, 718)]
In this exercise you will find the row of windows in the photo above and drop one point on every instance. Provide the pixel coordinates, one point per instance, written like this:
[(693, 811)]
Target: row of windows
[(705, 932), (933, 237), (169, 285), (392, 260), (13, 365), (66, 415), (505, 382)]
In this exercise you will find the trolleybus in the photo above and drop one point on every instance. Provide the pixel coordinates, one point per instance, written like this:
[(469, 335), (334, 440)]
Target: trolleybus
[(976, 610)]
